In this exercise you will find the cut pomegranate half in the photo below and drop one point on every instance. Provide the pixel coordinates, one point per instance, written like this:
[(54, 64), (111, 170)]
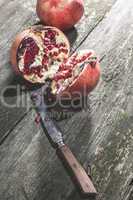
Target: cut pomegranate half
[(37, 53), (77, 76)]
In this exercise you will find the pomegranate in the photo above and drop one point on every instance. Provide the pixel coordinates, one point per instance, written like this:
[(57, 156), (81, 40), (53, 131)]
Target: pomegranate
[(77, 76), (42, 53), (37, 52), (62, 14)]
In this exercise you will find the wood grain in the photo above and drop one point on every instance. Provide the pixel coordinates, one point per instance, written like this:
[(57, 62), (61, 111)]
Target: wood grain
[(83, 180), (14, 16)]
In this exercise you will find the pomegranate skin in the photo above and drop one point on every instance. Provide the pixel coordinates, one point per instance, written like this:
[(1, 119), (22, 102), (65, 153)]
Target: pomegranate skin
[(85, 83), (14, 48), (63, 14)]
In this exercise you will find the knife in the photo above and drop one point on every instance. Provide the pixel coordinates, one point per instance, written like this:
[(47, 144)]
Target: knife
[(83, 180)]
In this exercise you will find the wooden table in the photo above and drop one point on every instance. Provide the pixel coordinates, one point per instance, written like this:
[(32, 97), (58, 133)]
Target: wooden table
[(101, 135)]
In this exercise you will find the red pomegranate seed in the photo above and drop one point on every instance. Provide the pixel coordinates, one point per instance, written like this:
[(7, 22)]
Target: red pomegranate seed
[(45, 60), (50, 47), (28, 59), (46, 43), (63, 75), (84, 58), (46, 51), (26, 71), (55, 54), (61, 45), (63, 50), (89, 54), (50, 34), (65, 60), (70, 66), (56, 45), (38, 119), (74, 62), (78, 60), (31, 51), (46, 39), (62, 67)]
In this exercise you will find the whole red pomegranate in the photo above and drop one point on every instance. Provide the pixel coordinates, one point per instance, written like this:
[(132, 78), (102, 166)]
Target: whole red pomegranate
[(41, 53), (62, 14)]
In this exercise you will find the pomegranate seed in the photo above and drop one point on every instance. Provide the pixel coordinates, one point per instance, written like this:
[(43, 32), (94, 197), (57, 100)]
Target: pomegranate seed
[(78, 60), (46, 39), (38, 119), (26, 71), (45, 60), (45, 67), (70, 66), (31, 51), (61, 45), (63, 50), (63, 75), (40, 76), (62, 67), (57, 45), (89, 54), (46, 43), (74, 62), (55, 54), (65, 60), (46, 51), (50, 34), (50, 47)]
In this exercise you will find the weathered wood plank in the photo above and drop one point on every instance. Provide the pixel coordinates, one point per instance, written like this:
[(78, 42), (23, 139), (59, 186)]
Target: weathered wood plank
[(104, 133), (31, 170), (111, 105), (16, 16)]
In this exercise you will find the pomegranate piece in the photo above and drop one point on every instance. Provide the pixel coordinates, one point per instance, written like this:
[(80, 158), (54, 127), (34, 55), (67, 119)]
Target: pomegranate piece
[(37, 53), (62, 14), (77, 76), (31, 50)]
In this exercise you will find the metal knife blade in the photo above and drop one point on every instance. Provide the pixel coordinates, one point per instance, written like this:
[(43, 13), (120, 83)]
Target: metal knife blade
[(41, 107)]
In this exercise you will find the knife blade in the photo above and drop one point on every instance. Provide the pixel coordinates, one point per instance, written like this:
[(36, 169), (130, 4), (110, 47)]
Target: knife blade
[(83, 180)]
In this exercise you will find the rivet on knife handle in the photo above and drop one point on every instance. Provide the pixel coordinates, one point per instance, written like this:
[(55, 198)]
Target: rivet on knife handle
[(81, 176)]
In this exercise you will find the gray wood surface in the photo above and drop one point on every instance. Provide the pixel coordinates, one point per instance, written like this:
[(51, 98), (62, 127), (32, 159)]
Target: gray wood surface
[(102, 134)]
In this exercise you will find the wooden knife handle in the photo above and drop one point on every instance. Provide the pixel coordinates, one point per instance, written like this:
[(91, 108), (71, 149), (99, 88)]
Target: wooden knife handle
[(81, 176)]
